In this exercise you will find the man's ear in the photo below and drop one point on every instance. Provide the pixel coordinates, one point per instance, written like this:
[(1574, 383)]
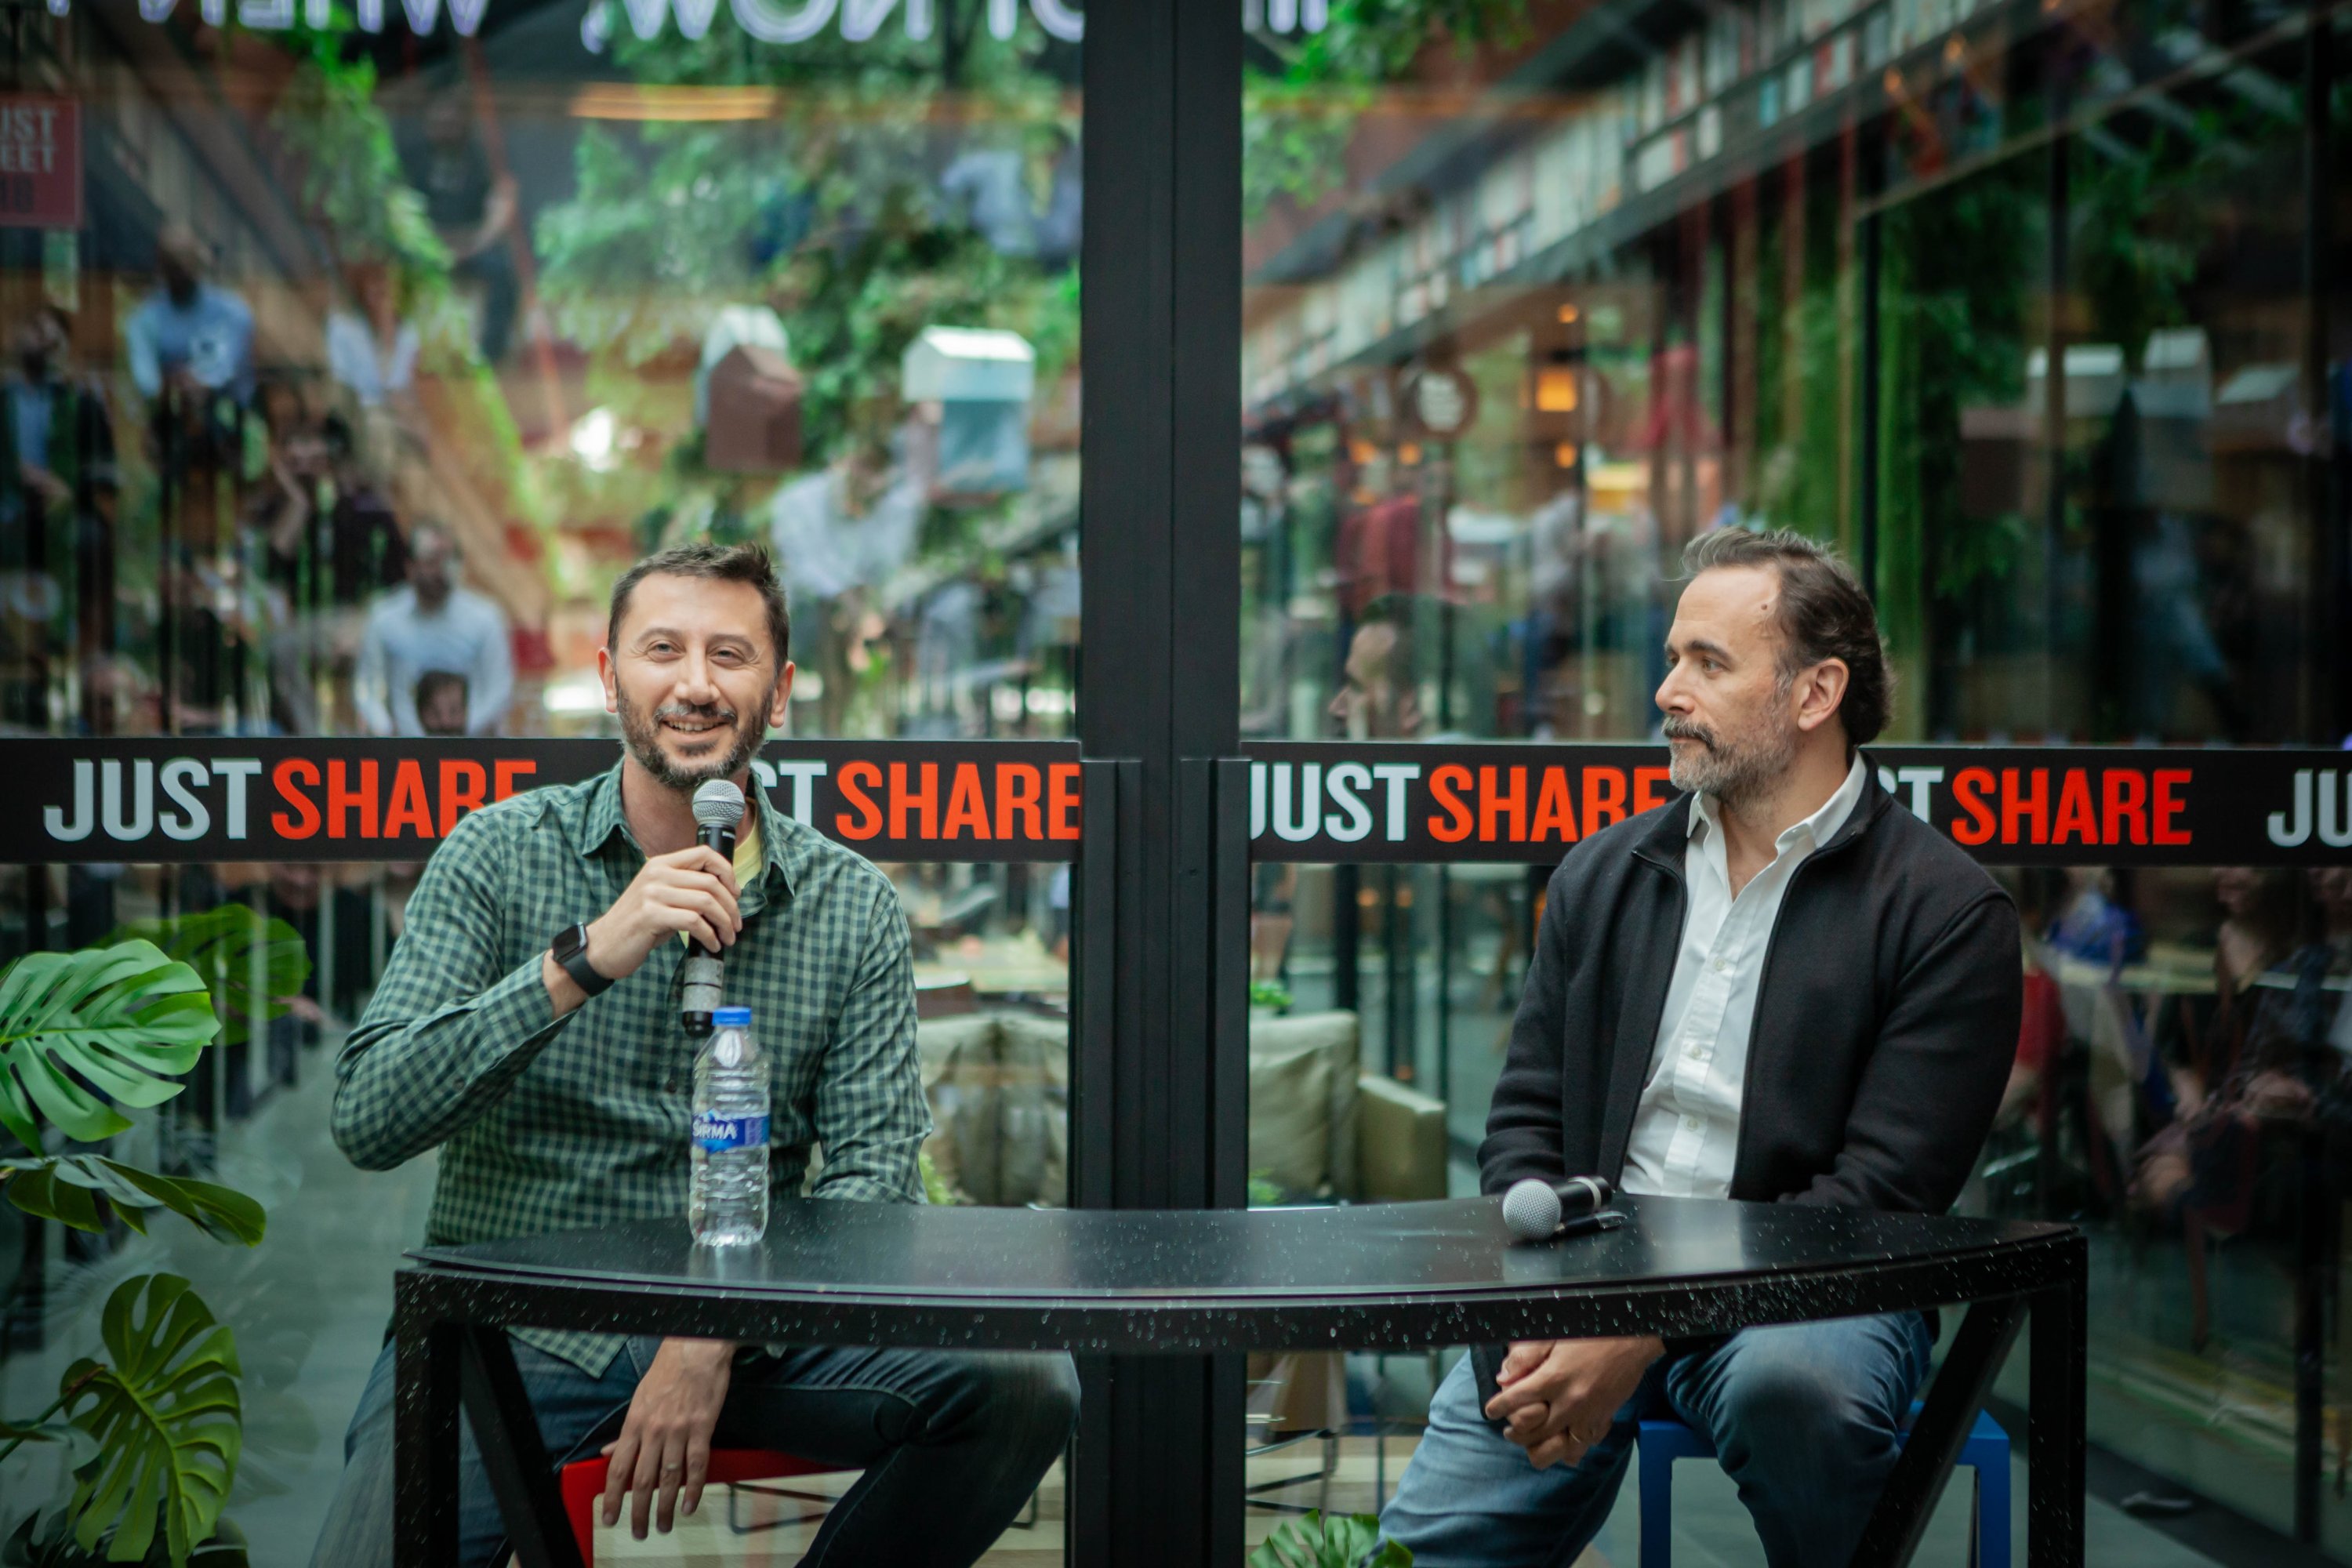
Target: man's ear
[(780, 701), (609, 674), (1819, 692)]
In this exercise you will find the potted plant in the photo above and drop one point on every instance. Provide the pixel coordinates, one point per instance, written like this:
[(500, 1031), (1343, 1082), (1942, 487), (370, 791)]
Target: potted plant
[(1315, 1541), (152, 1425)]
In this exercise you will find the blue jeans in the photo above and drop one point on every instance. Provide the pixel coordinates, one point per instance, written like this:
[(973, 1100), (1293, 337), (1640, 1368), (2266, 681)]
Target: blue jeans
[(951, 1444), (1802, 1416)]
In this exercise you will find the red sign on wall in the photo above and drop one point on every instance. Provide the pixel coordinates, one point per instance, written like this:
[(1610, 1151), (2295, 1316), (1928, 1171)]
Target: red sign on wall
[(40, 162)]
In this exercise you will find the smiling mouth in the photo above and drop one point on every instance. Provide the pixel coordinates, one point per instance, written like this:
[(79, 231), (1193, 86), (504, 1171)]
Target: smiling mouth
[(693, 730)]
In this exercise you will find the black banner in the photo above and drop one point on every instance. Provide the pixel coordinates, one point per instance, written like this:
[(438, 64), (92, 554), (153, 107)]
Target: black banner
[(2007, 805), (160, 799)]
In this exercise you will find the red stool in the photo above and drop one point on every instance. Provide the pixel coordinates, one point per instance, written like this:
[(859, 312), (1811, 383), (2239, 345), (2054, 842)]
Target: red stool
[(583, 1485)]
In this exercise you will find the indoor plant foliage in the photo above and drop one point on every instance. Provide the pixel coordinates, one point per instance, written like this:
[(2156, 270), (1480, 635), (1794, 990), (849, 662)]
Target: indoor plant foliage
[(1315, 1541), (153, 1425)]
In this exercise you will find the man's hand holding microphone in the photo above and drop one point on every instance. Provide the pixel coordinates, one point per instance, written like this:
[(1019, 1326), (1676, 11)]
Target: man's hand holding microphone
[(690, 891)]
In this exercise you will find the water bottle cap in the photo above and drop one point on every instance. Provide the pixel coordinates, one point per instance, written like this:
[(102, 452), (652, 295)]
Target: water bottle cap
[(731, 1017)]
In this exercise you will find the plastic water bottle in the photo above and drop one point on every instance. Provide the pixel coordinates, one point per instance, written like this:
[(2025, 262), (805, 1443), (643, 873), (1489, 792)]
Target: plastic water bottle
[(727, 1206)]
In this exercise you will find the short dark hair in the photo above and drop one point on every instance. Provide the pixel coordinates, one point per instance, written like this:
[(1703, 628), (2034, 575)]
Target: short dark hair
[(433, 683), (1824, 614), (724, 562)]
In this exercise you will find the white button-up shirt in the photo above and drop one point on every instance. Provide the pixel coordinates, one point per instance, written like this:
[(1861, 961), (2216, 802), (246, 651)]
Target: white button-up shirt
[(1686, 1127)]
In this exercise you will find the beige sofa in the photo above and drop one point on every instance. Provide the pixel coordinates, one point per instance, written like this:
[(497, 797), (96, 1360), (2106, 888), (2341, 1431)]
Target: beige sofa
[(999, 1086)]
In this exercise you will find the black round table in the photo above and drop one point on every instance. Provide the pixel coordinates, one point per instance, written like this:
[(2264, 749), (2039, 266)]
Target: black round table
[(1204, 1282)]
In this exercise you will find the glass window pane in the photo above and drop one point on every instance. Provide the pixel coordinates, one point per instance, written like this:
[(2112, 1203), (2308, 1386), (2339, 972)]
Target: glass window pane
[(352, 355), (2017, 309)]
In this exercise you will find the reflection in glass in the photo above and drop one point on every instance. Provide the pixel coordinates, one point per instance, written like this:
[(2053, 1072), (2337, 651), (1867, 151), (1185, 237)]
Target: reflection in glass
[(368, 349), (2018, 307)]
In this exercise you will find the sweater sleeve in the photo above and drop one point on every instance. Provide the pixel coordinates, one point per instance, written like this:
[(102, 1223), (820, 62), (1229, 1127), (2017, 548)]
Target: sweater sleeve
[(1523, 1121), (1929, 1090)]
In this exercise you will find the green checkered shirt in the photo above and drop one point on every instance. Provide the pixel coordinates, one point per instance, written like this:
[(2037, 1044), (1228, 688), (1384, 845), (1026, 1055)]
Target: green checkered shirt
[(549, 1124)]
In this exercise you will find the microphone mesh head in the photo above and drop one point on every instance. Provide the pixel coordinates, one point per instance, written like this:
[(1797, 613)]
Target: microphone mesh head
[(718, 804), (1531, 1209)]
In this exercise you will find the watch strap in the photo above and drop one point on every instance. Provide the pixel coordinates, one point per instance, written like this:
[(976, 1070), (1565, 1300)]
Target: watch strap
[(573, 955)]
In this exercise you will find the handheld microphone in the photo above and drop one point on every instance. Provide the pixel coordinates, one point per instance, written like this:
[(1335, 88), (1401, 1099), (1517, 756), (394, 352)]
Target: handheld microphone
[(1534, 1210), (718, 808)]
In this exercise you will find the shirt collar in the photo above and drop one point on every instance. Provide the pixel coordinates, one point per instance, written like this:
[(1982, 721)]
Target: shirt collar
[(1819, 828), (600, 817)]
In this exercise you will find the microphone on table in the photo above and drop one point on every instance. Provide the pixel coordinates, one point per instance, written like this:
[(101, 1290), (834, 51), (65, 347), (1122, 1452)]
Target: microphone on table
[(1535, 1209), (718, 808)]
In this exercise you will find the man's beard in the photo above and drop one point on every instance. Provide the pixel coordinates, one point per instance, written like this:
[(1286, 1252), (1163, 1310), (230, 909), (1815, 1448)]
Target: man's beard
[(641, 733), (1734, 769)]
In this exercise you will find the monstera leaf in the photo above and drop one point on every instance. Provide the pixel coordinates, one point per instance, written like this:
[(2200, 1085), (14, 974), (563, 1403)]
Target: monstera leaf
[(222, 946), (165, 1412), (79, 1189), (1315, 1541), (123, 1021)]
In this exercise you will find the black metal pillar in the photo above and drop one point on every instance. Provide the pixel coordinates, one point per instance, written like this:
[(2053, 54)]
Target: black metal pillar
[(1157, 1471)]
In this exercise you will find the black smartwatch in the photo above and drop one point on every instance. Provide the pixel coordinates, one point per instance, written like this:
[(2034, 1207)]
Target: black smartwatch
[(571, 949)]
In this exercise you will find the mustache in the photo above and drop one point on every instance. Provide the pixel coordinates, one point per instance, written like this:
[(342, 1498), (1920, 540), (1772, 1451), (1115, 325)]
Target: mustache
[(1676, 728), (717, 714)]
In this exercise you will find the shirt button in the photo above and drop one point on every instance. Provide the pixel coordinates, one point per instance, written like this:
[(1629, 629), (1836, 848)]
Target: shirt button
[(1723, 966), (1693, 1050), (1690, 1124)]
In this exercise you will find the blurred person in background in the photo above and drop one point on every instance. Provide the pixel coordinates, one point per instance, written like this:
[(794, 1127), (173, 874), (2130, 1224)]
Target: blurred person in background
[(1379, 696), (56, 451), (2100, 922), (371, 345), (2199, 1167), (441, 703), (330, 543), (190, 347), (57, 431), (432, 624), (472, 207)]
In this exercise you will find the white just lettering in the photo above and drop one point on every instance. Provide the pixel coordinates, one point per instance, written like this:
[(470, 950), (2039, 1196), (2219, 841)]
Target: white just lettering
[(2334, 789), (103, 797)]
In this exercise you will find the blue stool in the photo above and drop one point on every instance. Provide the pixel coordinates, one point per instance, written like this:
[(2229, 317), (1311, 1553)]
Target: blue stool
[(1986, 1452)]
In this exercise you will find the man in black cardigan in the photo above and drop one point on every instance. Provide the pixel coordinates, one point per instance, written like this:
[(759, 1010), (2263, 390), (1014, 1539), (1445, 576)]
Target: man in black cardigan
[(1782, 987)]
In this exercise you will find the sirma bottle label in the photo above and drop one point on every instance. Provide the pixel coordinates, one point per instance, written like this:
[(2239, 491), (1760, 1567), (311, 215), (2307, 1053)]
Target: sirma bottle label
[(724, 1134)]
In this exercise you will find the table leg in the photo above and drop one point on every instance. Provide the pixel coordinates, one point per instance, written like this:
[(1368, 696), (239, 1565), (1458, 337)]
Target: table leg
[(514, 1458), (1939, 1432), (425, 1444), (2055, 1420)]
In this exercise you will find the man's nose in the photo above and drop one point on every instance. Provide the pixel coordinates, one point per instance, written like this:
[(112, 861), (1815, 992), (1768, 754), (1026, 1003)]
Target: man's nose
[(695, 684)]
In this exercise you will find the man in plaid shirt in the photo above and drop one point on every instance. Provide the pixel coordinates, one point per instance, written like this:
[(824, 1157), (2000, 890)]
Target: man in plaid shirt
[(555, 1078)]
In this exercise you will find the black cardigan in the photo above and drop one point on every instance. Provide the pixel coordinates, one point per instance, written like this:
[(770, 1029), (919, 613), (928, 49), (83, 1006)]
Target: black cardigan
[(1885, 1020)]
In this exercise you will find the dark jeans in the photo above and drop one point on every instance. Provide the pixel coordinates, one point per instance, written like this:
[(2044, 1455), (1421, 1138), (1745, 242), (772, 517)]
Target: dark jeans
[(1802, 1416), (952, 1446), (494, 269)]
